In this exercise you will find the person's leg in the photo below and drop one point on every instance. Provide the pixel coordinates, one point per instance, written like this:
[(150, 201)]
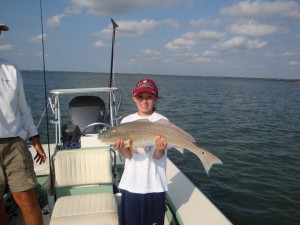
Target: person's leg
[(21, 179), (130, 208), (153, 208), (29, 206), (3, 215)]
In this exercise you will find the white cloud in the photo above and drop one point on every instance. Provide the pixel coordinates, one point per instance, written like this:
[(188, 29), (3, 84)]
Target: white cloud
[(54, 21), (6, 47), (287, 9), (294, 63), (38, 38), (187, 40), (203, 22), (180, 43), (239, 43), (105, 7), (281, 54), (150, 54), (171, 23), (130, 28), (100, 44), (253, 29), (72, 10)]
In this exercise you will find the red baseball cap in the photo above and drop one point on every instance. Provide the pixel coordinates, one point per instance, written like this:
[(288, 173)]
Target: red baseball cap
[(145, 85)]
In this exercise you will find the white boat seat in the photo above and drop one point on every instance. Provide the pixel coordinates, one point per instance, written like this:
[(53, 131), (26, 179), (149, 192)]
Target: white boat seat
[(76, 171), (90, 209), (82, 167)]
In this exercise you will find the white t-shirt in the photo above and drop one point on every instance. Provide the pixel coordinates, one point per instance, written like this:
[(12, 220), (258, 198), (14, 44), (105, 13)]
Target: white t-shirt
[(143, 173)]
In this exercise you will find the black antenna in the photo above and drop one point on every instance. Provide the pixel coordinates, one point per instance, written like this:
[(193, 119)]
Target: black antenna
[(115, 25)]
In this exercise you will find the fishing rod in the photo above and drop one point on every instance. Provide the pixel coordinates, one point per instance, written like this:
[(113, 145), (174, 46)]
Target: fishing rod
[(45, 91), (115, 25)]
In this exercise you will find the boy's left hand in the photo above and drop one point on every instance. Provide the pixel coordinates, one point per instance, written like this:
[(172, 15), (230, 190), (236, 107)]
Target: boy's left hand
[(161, 145)]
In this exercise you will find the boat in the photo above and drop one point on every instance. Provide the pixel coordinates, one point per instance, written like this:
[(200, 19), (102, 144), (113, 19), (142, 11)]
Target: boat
[(79, 183)]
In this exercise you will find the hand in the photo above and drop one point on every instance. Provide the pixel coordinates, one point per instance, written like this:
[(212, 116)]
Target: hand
[(124, 148), (40, 156), (119, 144), (161, 146), (160, 143)]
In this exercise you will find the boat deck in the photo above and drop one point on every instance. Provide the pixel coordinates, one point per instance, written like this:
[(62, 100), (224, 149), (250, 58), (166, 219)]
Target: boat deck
[(189, 204)]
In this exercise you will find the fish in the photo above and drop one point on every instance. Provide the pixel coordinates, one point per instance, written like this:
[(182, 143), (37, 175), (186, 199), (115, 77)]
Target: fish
[(141, 133)]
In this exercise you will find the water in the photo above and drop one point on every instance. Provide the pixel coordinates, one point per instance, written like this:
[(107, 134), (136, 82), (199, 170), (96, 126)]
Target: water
[(252, 125)]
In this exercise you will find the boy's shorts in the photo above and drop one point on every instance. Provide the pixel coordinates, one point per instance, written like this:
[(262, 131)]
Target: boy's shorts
[(16, 166), (142, 209)]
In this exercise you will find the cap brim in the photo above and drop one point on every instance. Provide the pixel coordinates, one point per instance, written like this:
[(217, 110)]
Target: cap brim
[(4, 27), (145, 89)]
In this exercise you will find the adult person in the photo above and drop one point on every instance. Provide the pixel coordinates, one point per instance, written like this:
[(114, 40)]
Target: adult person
[(17, 174), (144, 181)]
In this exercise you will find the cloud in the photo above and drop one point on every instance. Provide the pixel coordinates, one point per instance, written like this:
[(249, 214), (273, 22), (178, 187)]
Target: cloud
[(6, 47), (105, 7), (171, 23), (287, 9), (72, 10), (204, 22), (150, 54), (294, 63), (38, 38), (281, 54), (188, 40), (100, 44), (239, 43), (253, 29), (54, 21), (130, 28)]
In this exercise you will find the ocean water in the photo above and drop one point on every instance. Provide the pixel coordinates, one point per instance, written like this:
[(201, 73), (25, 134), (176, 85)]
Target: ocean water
[(252, 125)]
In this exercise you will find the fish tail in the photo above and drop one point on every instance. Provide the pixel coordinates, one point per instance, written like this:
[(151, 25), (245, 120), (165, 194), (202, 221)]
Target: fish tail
[(208, 159)]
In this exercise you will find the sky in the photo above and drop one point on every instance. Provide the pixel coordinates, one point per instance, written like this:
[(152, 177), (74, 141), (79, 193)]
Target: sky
[(227, 38)]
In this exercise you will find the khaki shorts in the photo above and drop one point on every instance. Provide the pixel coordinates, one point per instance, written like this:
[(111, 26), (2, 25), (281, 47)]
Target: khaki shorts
[(16, 166)]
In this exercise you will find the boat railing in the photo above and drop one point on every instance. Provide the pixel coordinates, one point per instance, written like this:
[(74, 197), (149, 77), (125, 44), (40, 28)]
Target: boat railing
[(114, 102)]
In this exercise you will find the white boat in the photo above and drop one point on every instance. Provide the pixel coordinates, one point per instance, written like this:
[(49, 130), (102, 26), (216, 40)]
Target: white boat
[(80, 184)]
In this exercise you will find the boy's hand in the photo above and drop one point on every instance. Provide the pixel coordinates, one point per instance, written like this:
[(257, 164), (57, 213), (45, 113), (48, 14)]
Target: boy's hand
[(161, 145)]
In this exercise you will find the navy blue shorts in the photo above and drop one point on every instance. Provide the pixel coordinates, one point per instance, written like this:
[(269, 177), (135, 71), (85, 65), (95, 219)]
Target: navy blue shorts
[(142, 209)]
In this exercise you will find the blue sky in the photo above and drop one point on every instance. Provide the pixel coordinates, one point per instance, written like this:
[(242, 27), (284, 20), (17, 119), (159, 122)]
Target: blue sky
[(227, 38)]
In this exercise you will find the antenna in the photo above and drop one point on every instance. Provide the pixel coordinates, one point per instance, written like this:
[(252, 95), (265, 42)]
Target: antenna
[(115, 25)]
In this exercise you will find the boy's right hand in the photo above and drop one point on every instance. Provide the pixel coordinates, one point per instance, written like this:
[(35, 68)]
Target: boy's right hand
[(123, 148)]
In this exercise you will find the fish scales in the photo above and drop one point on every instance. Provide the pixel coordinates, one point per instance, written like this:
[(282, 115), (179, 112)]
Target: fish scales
[(142, 132)]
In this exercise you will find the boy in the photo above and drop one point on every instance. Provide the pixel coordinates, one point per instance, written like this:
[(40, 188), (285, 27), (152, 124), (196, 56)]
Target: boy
[(144, 180)]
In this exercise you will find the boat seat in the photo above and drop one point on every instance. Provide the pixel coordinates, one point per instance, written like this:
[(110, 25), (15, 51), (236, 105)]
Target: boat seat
[(83, 188), (90, 209), (83, 111)]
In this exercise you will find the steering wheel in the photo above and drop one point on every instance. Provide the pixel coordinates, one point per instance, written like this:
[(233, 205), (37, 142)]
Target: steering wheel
[(105, 126)]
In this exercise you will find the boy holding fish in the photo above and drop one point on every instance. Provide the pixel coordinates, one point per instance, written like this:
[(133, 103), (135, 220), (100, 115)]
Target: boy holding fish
[(144, 180)]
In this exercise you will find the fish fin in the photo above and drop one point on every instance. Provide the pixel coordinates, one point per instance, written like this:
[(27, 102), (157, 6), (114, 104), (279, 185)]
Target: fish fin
[(180, 149), (128, 143), (208, 159), (164, 121), (140, 150)]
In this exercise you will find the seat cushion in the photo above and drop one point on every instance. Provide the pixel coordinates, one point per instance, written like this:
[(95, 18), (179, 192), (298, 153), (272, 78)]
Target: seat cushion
[(90, 209), (82, 167)]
